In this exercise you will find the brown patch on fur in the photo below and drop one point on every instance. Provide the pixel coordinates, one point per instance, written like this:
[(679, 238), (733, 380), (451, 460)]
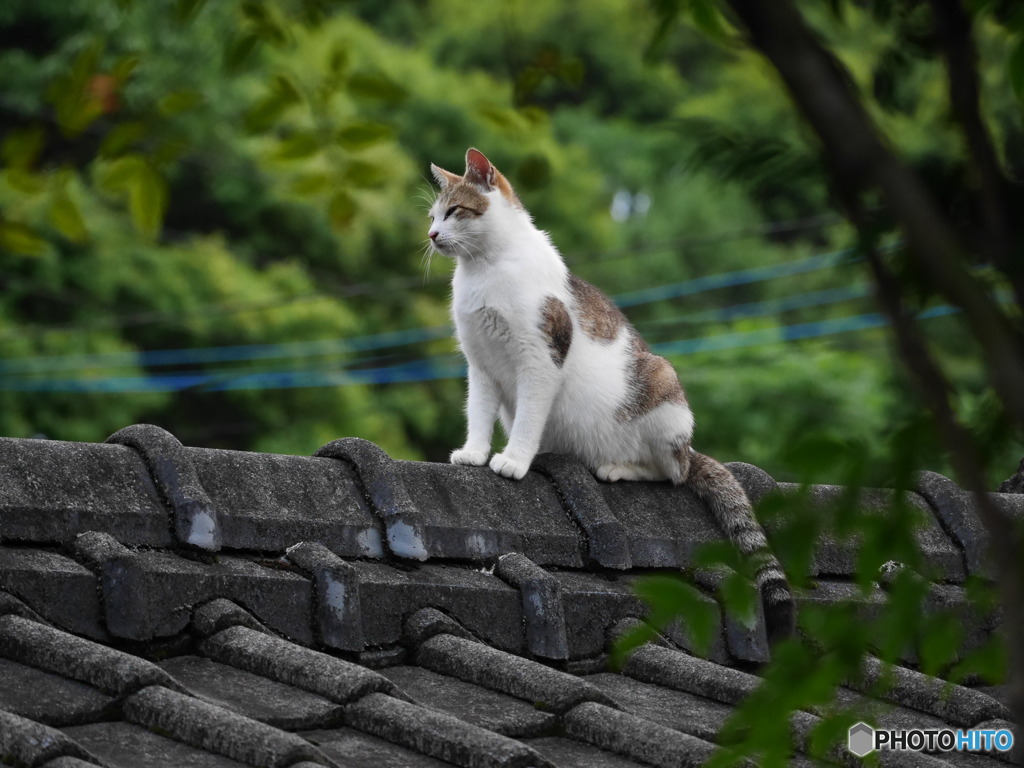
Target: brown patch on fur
[(599, 318), (506, 190), (653, 382), (470, 200), (556, 326)]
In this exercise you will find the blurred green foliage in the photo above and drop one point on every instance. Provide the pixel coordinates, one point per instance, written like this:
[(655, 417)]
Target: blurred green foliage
[(199, 174), (188, 174)]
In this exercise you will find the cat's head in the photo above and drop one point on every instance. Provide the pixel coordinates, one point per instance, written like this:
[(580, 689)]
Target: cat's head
[(470, 207)]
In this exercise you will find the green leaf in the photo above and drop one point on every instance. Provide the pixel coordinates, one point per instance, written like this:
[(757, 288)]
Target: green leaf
[(375, 85), (122, 136), (357, 136), (179, 101), (708, 19), (365, 175), (1015, 68), (338, 60), (21, 148), (286, 88), (534, 172), (15, 237), (298, 146), (186, 10), (25, 181), (133, 176), (310, 184), (341, 210), (147, 200), (66, 219), (124, 67), (239, 51)]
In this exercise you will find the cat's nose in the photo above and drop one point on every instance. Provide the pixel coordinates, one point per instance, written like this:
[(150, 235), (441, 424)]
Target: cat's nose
[(433, 235)]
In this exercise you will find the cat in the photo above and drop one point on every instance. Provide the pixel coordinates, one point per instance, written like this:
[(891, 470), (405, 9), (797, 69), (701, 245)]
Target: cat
[(562, 368)]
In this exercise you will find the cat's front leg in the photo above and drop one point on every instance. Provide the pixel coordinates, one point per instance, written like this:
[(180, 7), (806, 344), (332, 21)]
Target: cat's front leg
[(535, 394), (481, 411)]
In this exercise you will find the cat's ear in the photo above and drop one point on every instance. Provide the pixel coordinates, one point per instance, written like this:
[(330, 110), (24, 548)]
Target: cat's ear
[(443, 177), (479, 169)]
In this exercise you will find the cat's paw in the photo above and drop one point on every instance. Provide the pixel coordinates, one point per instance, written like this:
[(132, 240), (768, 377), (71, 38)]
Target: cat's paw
[(509, 467), (469, 457), (612, 473)]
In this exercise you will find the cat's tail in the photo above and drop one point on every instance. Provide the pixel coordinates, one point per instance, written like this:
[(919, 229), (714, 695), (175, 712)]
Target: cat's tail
[(727, 500)]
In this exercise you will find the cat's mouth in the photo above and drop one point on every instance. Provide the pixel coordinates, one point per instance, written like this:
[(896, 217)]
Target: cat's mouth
[(442, 246)]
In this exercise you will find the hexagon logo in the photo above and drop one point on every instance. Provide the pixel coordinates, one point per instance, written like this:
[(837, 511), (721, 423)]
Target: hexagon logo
[(861, 739)]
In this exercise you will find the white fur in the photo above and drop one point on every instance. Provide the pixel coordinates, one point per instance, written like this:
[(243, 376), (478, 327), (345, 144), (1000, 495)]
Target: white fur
[(505, 271)]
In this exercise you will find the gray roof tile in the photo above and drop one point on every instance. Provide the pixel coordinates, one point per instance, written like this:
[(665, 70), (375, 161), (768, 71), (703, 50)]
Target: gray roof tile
[(569, 753), (277, 659), (256, 697), (58, 588), (839, 558), (686, 712), (123, 745), (438, 734), (480, 601), (194, 518), (547, 688), (488, 709), (267, 502), (111, 671), (541, 603), (319, 581), (339, 616), (470, 513), (48, 698), (217, 730), (53, 490), (353, 749), (955, 704), (26, 742), (634, 737)]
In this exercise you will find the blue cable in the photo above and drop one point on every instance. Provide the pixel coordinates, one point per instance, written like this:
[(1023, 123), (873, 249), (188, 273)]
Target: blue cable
[(432, 369), (153, 358)]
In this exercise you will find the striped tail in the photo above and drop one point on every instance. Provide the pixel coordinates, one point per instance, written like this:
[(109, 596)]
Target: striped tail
[(717, 488)]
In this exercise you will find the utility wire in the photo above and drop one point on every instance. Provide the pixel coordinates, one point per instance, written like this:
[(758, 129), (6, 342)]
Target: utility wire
[(432, 369), (391, 339)]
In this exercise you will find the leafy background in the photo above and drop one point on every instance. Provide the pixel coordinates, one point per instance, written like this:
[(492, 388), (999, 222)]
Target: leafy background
[(191, 175), (213, 215)]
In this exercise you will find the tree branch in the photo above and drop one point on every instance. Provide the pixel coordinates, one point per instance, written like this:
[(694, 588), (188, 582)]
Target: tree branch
[(953, 30), (860, 161)]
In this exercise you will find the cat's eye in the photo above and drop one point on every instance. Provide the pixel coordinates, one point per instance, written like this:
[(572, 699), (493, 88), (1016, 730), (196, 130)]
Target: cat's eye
[(450, 211)]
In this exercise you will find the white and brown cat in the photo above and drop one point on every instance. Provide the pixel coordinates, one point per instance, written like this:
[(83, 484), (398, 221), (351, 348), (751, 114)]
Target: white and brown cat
[(563, 369)]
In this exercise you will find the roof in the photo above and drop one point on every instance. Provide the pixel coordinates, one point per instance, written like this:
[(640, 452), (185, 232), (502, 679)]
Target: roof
[(164, 605)]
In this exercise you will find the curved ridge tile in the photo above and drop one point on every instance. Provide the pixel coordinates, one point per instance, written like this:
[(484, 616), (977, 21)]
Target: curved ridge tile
[(474, 662), (608, 545), (683, 672), (634, 737), (214, 729), (25, 742), (387, 494), (438, 734), (954, 508), (53, 650), (194, 517), (541, 602), (956, 704), (755, 481), (336, 591), (330, 677)]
